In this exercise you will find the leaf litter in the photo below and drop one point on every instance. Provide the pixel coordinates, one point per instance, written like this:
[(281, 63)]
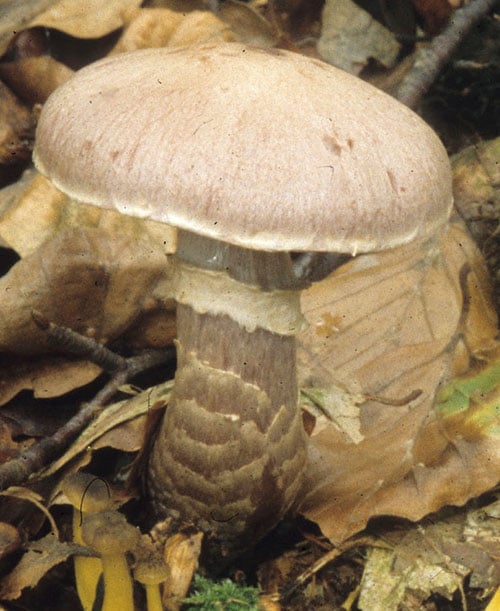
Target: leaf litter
[(384, 441)]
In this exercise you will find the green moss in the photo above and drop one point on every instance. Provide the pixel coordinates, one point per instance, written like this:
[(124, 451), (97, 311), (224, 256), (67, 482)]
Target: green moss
[(224, 595)]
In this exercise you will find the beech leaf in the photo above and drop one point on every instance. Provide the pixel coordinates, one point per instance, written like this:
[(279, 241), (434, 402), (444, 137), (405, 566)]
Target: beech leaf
[(394, 327), (39, 558), (47, 377), (81, 279), (32, 210), (76, 266), (350, 37), (91, 19), (88, 19), (161, 27)]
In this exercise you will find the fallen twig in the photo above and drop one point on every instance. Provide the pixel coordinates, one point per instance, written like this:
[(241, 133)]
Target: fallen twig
[(40, 454), (430, 60), (68, 340), (330, 556)]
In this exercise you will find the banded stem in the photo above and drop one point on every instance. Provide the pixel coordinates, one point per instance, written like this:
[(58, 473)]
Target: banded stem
[(231, 449)]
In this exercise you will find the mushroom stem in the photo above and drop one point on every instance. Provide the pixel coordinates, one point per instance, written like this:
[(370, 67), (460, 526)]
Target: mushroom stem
[(88, 494), (231, 448), (109, 534), (151, 571), (87, 570), (153, 597), (118, 588)]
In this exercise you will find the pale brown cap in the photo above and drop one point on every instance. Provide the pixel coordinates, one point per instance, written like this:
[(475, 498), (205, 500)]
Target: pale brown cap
[(86, 492), (108, 532), (265, 149)]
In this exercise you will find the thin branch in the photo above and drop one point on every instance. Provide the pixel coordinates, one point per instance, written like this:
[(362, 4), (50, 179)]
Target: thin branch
[(41, 453), (430, 60), (330, 556), (67, 340)]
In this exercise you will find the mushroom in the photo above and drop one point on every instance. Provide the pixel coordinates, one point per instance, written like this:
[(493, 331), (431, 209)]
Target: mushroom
[(252, 154), (151, 571), (111, 536), (88, 494)]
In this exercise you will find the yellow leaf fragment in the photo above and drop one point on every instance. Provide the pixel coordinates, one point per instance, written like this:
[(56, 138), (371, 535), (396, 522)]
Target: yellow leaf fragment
[(181, 554)]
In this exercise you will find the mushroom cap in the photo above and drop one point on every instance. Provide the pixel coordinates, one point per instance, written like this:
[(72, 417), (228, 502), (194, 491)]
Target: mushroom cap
[(262, 148), (151, 571), (108, 532), (86, 492)]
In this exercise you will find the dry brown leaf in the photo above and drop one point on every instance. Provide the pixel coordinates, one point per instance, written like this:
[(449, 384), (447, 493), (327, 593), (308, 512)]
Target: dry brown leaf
[(81, 279), (106, 430), (46, 377), (199, 27), (155, 328), (33, 210), (476, 182), (126, 437), (8, 447), (350, 37), (41, 556), (159, 27), (148, 27), (16, 129), (88, 19), (40, 223), (390, 326), (34, 78), (15, 16), (181, 6), (433, 558), (9, 539), (247, 24)]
